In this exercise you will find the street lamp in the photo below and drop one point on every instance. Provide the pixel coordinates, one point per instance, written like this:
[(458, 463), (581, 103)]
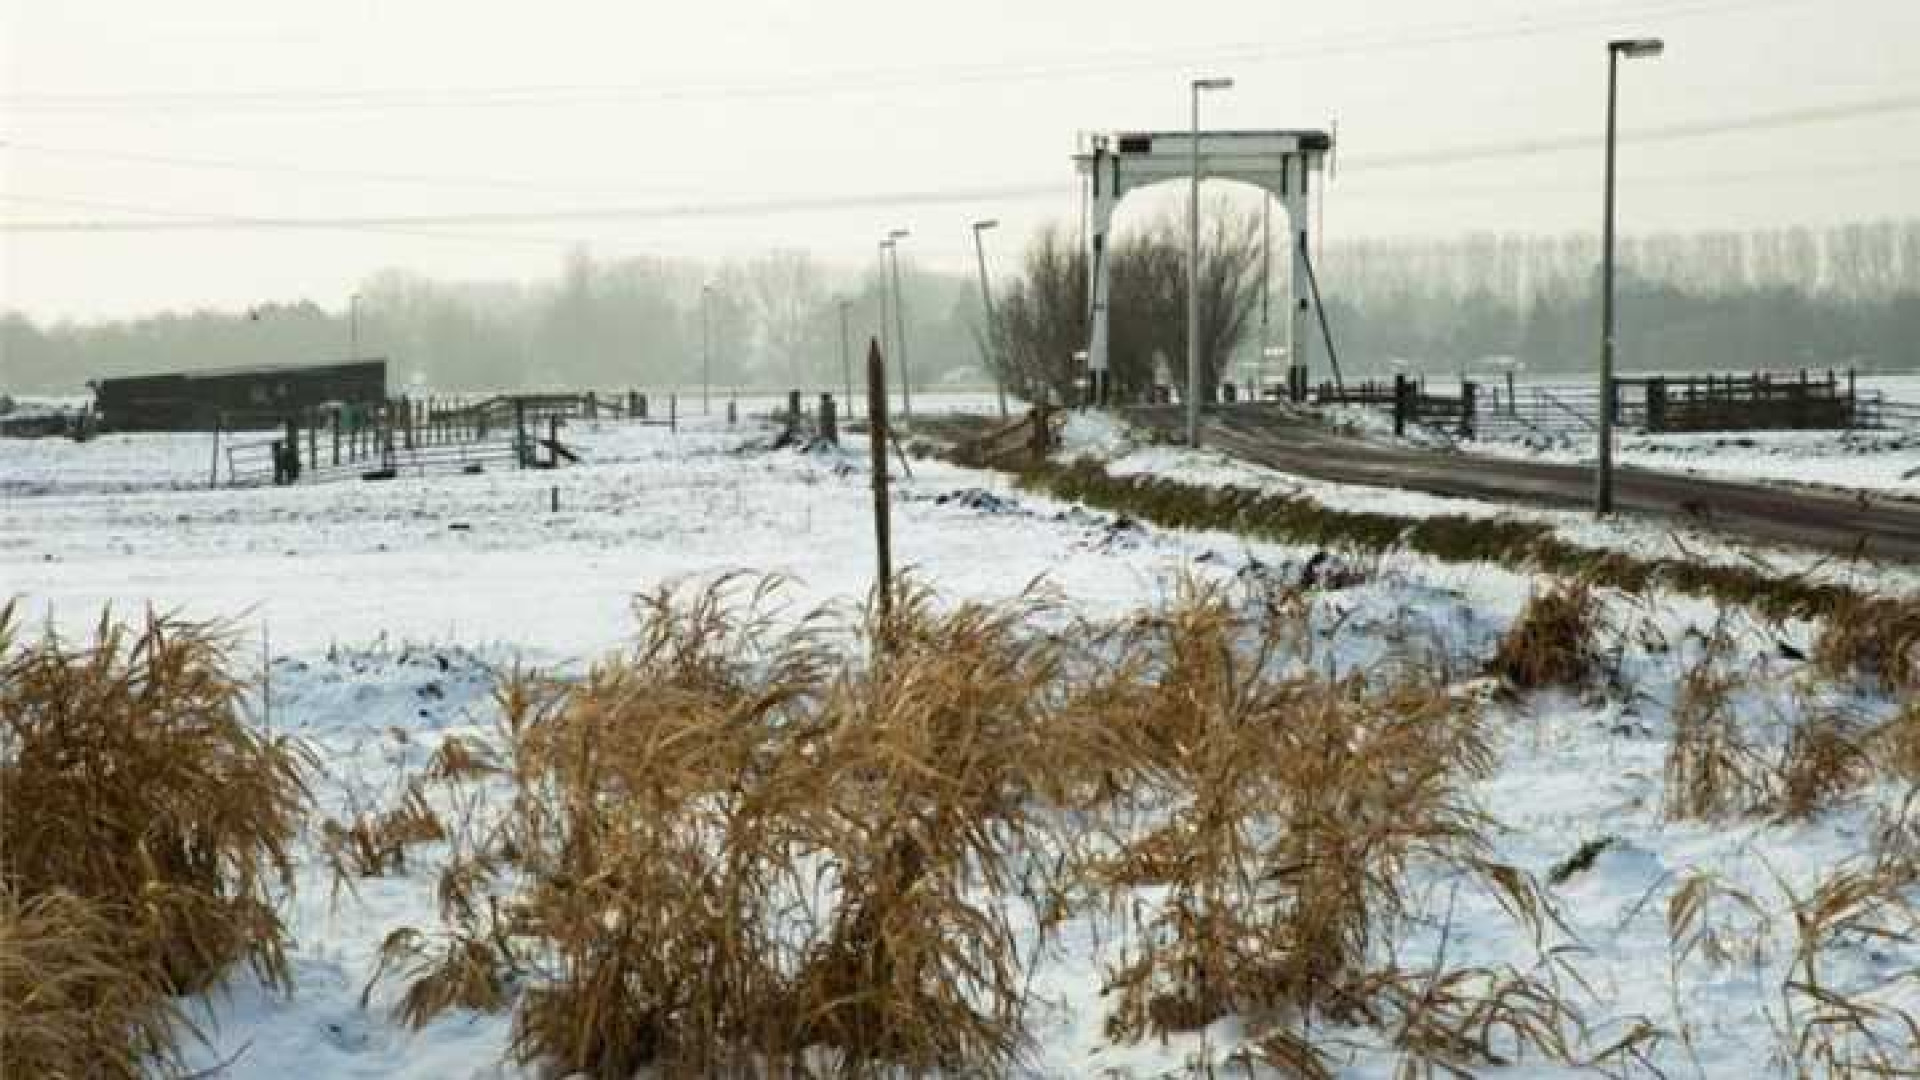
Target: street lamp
[(846, 352), (1193, 265), (900, 324), (1632, 49), (986, 304), (706, 350)]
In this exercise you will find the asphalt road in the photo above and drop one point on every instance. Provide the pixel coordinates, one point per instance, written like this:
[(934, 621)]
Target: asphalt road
[(1879, 527)]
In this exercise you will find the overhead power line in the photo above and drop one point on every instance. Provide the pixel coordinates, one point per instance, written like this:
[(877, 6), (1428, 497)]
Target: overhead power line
[(865, 81), (1732, 125), (1439, 157)]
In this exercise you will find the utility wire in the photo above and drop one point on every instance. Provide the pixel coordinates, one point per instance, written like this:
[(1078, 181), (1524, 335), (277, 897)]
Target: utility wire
[(869, 81), (935, 197)]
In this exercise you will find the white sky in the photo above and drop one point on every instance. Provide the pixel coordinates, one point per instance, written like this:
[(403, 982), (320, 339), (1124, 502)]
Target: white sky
[(119, 110)]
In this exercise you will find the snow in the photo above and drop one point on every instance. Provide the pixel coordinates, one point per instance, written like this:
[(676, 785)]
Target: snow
[(383, 610), (1877, 461)]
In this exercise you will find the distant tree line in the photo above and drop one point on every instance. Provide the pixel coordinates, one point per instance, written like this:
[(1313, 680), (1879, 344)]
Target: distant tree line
[(1777, 299), (1717, 301), (769, 322)]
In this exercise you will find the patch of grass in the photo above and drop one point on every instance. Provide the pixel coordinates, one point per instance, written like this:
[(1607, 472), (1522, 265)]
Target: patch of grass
[(1825, 760), (1553, 642), (137, 797), (1713, 769), (1451, 538), (1898, 744), (70, 1005), (374, 844), (462, 758), (1875, 637), (1289, 810)]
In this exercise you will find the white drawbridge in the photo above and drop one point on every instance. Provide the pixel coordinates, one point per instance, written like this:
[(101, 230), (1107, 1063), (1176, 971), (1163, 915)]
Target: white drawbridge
[(1285, 164)]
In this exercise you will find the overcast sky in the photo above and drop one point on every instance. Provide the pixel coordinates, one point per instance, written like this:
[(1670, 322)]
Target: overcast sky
[(117, 111)]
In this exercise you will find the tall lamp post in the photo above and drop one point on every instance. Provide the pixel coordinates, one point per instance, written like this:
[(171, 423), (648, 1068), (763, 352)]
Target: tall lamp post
[(846, 352), (1193, 265), (1631, 49), (900, 324), (706, 349), (986, 305)]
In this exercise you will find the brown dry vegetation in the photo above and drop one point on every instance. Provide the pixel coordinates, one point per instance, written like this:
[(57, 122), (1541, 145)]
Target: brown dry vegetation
[(70, 1006), (1877, 637), (1713, 769), (138, 798), (1554, 640), (750, 850)]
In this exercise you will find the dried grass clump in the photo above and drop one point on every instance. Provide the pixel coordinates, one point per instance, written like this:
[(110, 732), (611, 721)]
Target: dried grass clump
[(1553, 642), (1850, 1029), (1876, 637), (374, 844), (935, 762), (69, 1004), (1291, 809), (1898, 743), (145, 834), (747, 849), (463, 758), (1712, 768), (1826, 760), (653, 846), (458, 970), (132, 779)]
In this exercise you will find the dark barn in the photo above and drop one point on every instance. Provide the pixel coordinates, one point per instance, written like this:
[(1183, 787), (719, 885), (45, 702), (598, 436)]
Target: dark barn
[(263, 396)]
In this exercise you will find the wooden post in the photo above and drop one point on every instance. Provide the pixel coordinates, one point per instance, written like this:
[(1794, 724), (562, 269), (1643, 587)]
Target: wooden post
[(335, 424), (313, 441), (793, 414), (520, 431), (1469, 393), (673, 412), (213, 479), (733, 412), (1402, 404), (553, 440), (293, 450), (882, 509), (829, 420)]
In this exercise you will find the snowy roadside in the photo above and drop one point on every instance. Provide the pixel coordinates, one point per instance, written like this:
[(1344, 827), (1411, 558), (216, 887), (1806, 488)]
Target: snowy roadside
[(1109, 442)]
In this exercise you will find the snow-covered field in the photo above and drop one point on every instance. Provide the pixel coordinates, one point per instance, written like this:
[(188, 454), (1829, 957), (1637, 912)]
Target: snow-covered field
[(382, 611)]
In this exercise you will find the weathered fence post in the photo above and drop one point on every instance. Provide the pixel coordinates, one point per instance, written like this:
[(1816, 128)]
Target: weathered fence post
[(1656, 404), (521, 451), (293, 449), (553, 440), (1402, 403), (733, 412), (1469, 399), (793, 414), (673, 412), (313, 440), (877, 445), (213, 479), (829, 420)]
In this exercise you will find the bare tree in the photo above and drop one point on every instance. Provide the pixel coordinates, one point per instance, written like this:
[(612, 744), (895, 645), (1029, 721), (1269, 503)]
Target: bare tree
[(788, 298), (1043, 316)]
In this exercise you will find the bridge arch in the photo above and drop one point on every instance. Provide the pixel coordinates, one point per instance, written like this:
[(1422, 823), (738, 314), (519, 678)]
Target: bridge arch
[(1284, 164)]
